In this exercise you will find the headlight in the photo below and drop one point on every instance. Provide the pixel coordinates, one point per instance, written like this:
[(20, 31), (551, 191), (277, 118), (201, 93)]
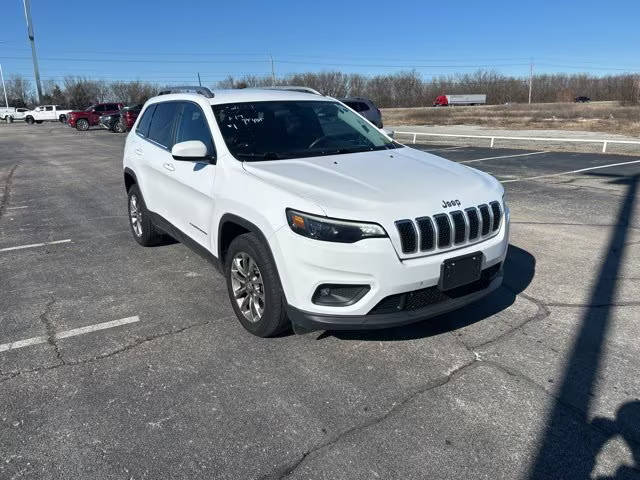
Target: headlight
[(331, 230)]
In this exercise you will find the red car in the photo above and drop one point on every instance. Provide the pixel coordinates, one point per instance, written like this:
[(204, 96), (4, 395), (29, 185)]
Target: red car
[(83, 119)]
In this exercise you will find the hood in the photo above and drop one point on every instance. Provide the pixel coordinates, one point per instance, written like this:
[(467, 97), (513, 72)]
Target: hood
[(381, 186)]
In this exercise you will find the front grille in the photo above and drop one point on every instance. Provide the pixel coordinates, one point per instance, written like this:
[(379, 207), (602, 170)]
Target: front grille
[(407, 235), (427, 233), (497, 215), (474, 223), (426, 297), (486, 219), (447, 230), (459, 227), (444, 230)]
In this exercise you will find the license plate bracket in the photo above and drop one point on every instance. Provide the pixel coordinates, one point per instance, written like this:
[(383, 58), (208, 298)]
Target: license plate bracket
[(458, 271)]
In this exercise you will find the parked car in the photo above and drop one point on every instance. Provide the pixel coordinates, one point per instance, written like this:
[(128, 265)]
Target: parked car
[(83, 119), (315, 219), (452, 100), (46, 113), (582, 99), (122, 121), (10, 114), (364, 107)]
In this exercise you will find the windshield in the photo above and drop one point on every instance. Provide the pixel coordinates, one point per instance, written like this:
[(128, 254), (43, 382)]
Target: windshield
[(257, 131), (90, 109)]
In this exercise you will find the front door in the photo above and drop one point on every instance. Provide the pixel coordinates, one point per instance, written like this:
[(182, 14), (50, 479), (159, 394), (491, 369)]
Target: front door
[(191, 182)]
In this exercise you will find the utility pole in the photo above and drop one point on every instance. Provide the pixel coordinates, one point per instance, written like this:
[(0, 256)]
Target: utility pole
[(273, 72), (27, 14), (199, 82), (530, 79), (4, 88)]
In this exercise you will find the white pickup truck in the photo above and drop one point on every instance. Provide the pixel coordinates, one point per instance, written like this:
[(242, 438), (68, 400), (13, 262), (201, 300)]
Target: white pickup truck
[(46, 113), (11, 113)]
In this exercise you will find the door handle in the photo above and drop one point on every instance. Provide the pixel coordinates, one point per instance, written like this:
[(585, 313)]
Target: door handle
[(138, 151), (169, 166)]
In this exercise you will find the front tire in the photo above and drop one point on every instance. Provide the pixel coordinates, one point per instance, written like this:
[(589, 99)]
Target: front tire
[(82, 125), (119, 127), (254, 288), (29, 120), (142, 227)]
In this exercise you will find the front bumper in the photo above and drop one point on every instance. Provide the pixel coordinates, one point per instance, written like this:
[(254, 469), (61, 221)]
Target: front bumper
[(314, 321), (305, 264)]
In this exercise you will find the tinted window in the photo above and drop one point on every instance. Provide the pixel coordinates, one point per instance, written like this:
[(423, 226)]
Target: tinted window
[(145, 121), (99, 108), (357, 106), (112, 106), (289, 129), (193, 126), (161, 129), (48, 109)]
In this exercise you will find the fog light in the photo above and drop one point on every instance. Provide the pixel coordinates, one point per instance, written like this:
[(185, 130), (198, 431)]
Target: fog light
[(339, 295)]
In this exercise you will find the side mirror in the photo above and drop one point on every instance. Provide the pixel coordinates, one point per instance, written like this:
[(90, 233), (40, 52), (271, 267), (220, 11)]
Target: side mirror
[(387, 132), (189, 150)]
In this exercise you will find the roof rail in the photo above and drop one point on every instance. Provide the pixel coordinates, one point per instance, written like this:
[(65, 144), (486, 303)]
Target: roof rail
[(294, 88), (204, 91)]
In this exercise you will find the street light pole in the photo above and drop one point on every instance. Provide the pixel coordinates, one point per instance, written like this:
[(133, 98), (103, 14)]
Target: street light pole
[(36, 71), (4, 88)]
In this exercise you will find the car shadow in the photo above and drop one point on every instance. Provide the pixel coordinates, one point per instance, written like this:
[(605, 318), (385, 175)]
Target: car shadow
[(519, 270)]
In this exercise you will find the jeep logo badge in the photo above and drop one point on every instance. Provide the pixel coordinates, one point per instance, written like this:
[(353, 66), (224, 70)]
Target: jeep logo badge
[(450, 203)]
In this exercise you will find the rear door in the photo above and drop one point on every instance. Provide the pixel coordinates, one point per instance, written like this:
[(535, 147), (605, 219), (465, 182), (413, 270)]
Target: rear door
[(152, 149), (49, 113), (190, 183)]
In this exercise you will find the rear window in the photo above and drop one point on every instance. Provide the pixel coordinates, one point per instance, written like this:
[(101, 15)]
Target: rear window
[(161, 128), (357, 106), (145, 121)]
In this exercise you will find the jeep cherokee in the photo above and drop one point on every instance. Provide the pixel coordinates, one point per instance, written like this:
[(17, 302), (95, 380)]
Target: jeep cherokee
[(314, 216)]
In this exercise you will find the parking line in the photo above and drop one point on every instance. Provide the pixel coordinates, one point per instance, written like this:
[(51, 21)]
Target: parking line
[(502, 156), (33, 245), (571, 171), (442, 149), (18, 208), (68, 333)]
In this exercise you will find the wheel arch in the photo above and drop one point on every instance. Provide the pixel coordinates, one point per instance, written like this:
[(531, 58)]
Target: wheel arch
[(231, 226), (130, 179)]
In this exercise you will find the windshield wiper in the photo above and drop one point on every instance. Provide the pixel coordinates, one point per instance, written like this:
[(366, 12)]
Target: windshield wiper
[(260, 156)]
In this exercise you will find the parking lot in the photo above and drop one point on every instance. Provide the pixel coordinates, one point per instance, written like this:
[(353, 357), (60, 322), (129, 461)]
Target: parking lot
[(131, 364)]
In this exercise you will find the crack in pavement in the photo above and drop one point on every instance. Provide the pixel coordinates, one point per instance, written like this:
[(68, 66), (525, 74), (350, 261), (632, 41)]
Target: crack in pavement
[(136, 343), (51, 330), (289, 468), (6, 192)]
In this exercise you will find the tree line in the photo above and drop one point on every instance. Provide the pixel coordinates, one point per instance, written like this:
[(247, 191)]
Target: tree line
[(402, 89)]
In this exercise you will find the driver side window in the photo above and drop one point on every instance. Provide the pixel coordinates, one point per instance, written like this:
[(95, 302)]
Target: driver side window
[(192, 125)]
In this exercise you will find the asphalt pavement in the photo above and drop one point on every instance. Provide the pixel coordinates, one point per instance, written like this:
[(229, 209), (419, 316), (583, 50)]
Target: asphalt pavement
[(132, 365)]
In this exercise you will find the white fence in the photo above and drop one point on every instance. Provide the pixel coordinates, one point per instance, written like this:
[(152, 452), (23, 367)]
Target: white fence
[(493, 138)]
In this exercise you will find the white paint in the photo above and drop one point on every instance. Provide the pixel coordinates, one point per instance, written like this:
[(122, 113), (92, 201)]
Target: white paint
[(442, 149), (502, 156), (33, 245), (68, 333), (571, 171), (17, 208)]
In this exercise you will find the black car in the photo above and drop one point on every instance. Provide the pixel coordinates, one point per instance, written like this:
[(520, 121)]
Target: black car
[(119, 122), (582, 99)]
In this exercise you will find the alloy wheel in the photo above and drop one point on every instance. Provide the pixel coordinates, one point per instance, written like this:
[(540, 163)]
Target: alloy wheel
[(247, 286), (135, 214)]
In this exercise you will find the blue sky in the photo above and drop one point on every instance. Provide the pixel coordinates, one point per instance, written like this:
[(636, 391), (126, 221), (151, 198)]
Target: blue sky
[(169, 41)]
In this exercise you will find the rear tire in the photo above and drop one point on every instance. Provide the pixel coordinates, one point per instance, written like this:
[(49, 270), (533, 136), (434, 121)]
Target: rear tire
[(29, 120), (142, 227), (9, 119), (82, 125), (254, 288), (62, 118)]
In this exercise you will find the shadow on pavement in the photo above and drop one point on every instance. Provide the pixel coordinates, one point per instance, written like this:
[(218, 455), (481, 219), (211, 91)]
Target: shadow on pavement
[(565, 450), (519, 269)]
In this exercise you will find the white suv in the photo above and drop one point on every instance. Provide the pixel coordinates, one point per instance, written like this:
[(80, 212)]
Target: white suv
[(315, 217)]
